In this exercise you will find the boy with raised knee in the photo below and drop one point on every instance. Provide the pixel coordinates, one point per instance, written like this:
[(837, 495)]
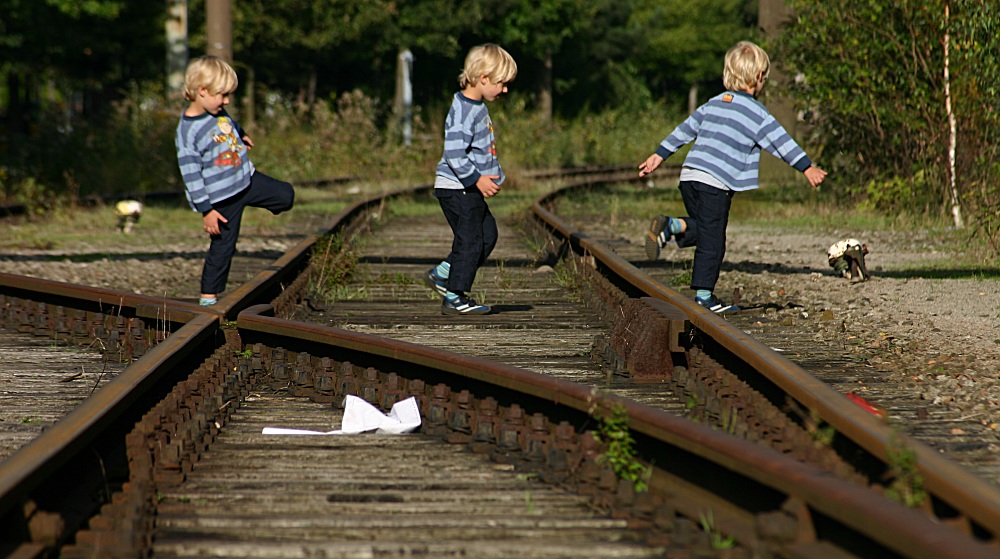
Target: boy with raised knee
[(729, 132)]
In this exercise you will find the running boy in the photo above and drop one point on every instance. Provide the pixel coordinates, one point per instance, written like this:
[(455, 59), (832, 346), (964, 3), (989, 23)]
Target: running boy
[(728, 133), (467, 175), (219, 179)]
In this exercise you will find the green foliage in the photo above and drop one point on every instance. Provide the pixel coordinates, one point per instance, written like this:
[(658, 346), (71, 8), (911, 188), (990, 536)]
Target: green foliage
[(102, 8), (620, 455), (626, 134), (871, 75), (683, 278), (898, 194), (907, 485), (333, 264), (568, 276), (683, 43), (541, 26), (26, 191), (707, 523)]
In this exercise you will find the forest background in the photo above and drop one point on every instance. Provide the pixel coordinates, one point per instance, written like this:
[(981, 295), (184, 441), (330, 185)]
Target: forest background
[(897, 99)]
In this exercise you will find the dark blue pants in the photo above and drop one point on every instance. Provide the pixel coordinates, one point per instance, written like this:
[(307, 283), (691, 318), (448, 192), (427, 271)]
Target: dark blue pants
[(475, 232), (708, 216), (264, 192)]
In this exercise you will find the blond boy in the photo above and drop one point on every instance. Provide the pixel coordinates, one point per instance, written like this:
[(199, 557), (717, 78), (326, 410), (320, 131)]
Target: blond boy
[(219, 179), (728, 132), (467, 174)]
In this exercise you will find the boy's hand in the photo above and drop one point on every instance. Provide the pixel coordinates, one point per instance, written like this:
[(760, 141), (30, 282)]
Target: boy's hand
[(486, 185), (649, 165), (815, 176), (210, 222), (248, 141)]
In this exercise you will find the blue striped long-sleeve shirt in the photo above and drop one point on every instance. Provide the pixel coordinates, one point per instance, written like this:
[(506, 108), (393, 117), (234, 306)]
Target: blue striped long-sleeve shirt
[(213, 159), (469, 144), (728, 133)]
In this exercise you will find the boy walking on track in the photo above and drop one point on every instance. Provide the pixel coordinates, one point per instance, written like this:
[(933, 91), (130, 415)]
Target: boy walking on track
[(728, 133), (467, 175), (219, 179)]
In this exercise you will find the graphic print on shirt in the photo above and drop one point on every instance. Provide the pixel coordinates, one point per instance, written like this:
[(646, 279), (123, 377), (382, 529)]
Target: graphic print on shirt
[(493, 138), (230, 157)]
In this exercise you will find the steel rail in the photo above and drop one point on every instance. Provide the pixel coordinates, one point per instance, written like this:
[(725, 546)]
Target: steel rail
[(949, 485), (860, 514), (98, 299), (60, 469)]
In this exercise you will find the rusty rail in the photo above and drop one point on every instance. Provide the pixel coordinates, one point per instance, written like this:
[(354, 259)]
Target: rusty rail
[(957, 497), (686, 458)]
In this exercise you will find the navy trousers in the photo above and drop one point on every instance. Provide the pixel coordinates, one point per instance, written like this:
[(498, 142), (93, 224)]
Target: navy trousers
[(475, 234), (708, 215), (264, 192)]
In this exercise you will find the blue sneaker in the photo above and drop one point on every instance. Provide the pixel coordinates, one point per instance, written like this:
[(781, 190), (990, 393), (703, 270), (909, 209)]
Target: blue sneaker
[(715, 305), (657, 236), (434, 282), (207, 302), (463, 305)]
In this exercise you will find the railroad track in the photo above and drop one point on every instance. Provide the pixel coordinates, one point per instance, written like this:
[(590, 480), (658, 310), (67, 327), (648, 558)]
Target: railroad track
[(145, 435)]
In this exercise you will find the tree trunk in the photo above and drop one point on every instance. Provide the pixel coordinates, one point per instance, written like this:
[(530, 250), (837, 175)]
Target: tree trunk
[(311, 94), (956, 207), (219, 29), (693, 97), (545, 94), (177, 45), (402, 106)]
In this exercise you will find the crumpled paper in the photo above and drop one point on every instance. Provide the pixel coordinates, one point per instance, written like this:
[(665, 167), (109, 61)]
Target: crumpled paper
[(362, 417)]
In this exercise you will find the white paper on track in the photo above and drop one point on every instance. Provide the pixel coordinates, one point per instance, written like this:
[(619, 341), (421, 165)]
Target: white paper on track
[(362, 417)]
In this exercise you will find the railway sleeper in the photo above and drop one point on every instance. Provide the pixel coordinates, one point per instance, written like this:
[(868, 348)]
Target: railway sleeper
[(118, 337), (172, 437)]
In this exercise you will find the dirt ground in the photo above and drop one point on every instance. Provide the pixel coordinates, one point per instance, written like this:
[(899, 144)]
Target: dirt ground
[(939, 336)]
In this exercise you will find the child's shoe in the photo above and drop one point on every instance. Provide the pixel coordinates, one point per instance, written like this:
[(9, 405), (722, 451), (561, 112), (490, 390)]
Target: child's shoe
[(457, 304), (713, 304), (657, 236), (436, 283), (206, 302)]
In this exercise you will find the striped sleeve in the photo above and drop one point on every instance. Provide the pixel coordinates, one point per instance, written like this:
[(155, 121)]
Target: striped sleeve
[(684, 134), (774, 139), (189, 160), (458, 136)]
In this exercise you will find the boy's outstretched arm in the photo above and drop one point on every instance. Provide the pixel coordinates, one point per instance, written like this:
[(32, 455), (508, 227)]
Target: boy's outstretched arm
[(649, 165), (815, 176)]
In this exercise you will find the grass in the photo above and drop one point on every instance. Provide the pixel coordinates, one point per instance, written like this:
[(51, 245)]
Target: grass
[(162, 224)]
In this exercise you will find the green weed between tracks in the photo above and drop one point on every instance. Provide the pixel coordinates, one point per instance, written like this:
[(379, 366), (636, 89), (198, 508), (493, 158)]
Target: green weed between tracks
[(620, 454)]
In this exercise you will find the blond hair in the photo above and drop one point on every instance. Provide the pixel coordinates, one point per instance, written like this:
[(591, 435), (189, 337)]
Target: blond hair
[(746, 66), (487, 60), (210, 72)]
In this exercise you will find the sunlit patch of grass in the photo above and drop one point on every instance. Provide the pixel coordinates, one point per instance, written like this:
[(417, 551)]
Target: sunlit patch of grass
[(69, 229)]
